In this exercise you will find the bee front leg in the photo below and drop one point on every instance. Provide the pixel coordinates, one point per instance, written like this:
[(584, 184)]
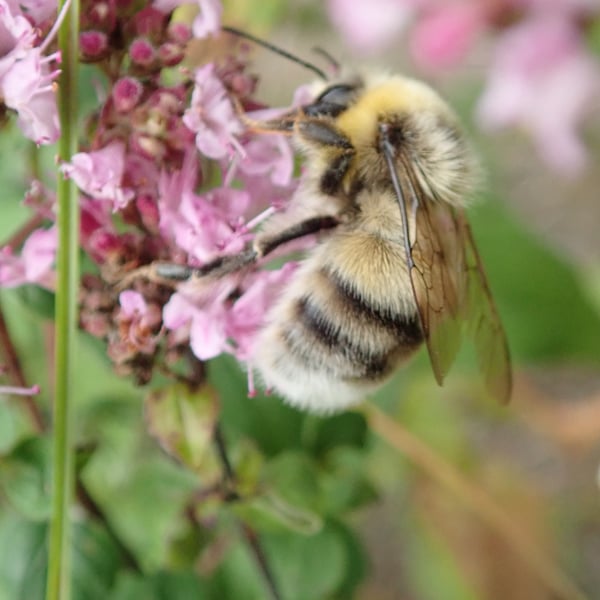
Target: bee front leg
[(225, 265), (323, 134)]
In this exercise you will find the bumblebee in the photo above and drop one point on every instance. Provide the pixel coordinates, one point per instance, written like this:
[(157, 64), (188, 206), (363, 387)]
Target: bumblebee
[(388, 174)]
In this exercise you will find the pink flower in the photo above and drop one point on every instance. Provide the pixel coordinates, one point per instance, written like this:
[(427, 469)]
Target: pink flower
[(209, 19), (25, 79), (137, 321), (38, 10), (203, 226), (8, 390), (249, 311), (268, 156), (369, 25), (543, 80), (35, 263), (203, 311), (445, 34), (211, 116), (100, 174)]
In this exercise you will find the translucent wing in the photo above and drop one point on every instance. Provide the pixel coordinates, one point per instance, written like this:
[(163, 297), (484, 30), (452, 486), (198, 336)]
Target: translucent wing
[(451, 289)]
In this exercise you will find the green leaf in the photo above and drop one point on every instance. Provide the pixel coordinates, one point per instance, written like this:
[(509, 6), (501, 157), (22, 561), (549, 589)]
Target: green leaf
[(541, 302), (183, 422), (344, 483), (237, 577), (307, 567), (23, 558), (25, 476), (184, 585), (294, 477), (270, 512), (273, 425), (345, 429), (355, 563), (143, 497), (95, 562), (38, 300)]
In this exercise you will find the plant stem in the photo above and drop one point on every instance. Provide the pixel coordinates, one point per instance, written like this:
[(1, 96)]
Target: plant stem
[(15, 372), (58, 582), (249, 534), (475, 498)]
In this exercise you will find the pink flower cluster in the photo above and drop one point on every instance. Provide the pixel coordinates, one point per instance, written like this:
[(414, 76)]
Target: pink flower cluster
[(26, 71), (168, 174), (542, 77)]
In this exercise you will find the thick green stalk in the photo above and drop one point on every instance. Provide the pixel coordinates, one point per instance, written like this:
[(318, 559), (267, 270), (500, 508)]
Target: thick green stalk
[(58, 583)]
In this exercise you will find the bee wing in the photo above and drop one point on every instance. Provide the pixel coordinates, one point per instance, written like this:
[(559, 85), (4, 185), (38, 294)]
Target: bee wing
[(452, 292), (439, 282), (483, 323)]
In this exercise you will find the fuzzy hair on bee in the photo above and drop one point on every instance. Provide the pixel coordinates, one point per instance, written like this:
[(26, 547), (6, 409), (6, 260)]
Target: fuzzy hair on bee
[(388, 174)]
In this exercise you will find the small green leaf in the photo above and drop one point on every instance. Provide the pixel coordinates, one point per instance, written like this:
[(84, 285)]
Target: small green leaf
[(39, 300), (23, 558), (183, 422), (307, 567), (95, 563), (346, 429), (272, 513), (344, 484), (183, 585), (294, 477), (25, 476)]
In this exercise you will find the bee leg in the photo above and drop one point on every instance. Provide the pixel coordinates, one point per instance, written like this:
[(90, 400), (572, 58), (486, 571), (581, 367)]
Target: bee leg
[(265, 244), (315, 132), (171, 273)]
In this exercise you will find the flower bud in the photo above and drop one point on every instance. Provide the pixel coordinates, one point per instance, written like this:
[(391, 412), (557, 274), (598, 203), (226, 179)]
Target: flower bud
[(126, 93), (93, 44), (142, 52)]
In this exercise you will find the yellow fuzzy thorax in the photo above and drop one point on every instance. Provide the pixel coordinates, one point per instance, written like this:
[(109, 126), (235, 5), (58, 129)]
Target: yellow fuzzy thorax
[(393, 96)]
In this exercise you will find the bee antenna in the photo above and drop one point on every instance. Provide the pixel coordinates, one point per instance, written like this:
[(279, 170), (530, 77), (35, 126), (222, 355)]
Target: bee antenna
[(275, 49), (333, 63)]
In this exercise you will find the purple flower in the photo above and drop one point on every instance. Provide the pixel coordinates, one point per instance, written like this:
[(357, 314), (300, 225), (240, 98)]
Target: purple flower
[(211, 116), (35, 263), (543, 80), (100, 174)]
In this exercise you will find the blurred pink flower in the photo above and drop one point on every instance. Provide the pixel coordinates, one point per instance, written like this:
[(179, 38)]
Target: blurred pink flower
[(369, 25), (35, 263), (38, 10), (100, 174), (209, 19), (8, 390), (543, 80), (445, 34), (211, 116), (25, 77)]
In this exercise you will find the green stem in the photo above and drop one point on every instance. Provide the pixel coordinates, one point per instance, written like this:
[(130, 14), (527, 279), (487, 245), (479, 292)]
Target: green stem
[(58, 583)]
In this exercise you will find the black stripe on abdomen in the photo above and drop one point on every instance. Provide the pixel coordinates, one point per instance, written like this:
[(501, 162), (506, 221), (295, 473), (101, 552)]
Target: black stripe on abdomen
[(405, 327)]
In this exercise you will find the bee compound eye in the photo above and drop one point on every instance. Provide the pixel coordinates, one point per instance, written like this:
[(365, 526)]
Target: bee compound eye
[(339, 95), (333, 101)]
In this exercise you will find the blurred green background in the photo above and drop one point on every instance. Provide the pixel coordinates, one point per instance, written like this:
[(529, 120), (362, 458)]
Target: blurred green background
[(339, 512)]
